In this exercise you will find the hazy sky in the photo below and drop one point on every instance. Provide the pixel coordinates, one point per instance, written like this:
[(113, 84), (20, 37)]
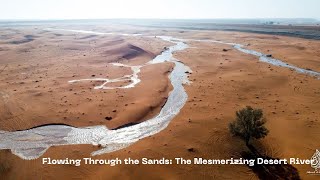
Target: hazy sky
[(184, 9)]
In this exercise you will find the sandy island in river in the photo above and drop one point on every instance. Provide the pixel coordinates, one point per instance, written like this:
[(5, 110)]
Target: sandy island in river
[(36, 66)]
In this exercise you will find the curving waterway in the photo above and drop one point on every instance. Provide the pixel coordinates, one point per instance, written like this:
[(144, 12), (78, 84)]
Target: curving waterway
[(32, 143), (263, 57)]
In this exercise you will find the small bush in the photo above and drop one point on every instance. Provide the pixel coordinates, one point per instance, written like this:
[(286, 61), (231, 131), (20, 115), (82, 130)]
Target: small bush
[(249, 123)]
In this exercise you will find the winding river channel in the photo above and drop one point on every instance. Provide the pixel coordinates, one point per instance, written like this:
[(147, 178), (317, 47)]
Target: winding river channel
[(32, 143)]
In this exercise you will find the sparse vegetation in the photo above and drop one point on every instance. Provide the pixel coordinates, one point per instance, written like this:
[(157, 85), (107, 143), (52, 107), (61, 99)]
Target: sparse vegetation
[(249, 123)]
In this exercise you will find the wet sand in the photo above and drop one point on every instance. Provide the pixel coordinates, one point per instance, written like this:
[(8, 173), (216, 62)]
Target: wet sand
[(222, 82)]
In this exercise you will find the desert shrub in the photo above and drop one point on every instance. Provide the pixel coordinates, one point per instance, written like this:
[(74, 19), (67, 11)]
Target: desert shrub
[(249, 123)]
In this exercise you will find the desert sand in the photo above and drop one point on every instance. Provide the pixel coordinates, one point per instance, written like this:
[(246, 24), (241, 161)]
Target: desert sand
[(36, 65)]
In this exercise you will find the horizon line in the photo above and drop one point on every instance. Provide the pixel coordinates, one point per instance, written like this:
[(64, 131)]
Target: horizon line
[(71, 19)]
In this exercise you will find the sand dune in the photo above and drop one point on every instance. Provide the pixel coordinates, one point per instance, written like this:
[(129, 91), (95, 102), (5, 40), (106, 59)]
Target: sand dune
[(128, 51)]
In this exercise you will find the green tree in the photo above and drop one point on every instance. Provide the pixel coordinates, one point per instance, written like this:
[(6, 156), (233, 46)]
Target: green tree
[(249, 123)]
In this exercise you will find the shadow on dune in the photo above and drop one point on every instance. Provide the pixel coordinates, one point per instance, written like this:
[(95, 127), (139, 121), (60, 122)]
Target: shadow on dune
[(270, 171), (5, 164), (27, 38), (129, 51), (88, 37)]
